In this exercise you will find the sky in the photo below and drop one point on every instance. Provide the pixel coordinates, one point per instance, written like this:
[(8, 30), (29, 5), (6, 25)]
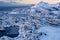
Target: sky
[(32, 1)]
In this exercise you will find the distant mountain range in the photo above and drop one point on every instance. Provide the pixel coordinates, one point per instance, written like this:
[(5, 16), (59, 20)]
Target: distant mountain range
[(9, 4)]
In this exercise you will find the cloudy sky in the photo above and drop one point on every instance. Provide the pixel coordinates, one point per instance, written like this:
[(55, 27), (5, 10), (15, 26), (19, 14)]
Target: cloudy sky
[(31, 1)]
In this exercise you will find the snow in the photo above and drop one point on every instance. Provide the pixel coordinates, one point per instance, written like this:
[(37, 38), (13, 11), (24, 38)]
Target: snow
[(53, 33), (40, 22)]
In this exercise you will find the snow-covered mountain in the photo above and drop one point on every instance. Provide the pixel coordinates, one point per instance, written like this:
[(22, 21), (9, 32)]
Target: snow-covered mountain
[(42, 9), (39, 22), (11, 4), (8, 6)]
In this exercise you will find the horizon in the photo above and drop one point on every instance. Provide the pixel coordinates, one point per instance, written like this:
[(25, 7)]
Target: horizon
[(32, 1)]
